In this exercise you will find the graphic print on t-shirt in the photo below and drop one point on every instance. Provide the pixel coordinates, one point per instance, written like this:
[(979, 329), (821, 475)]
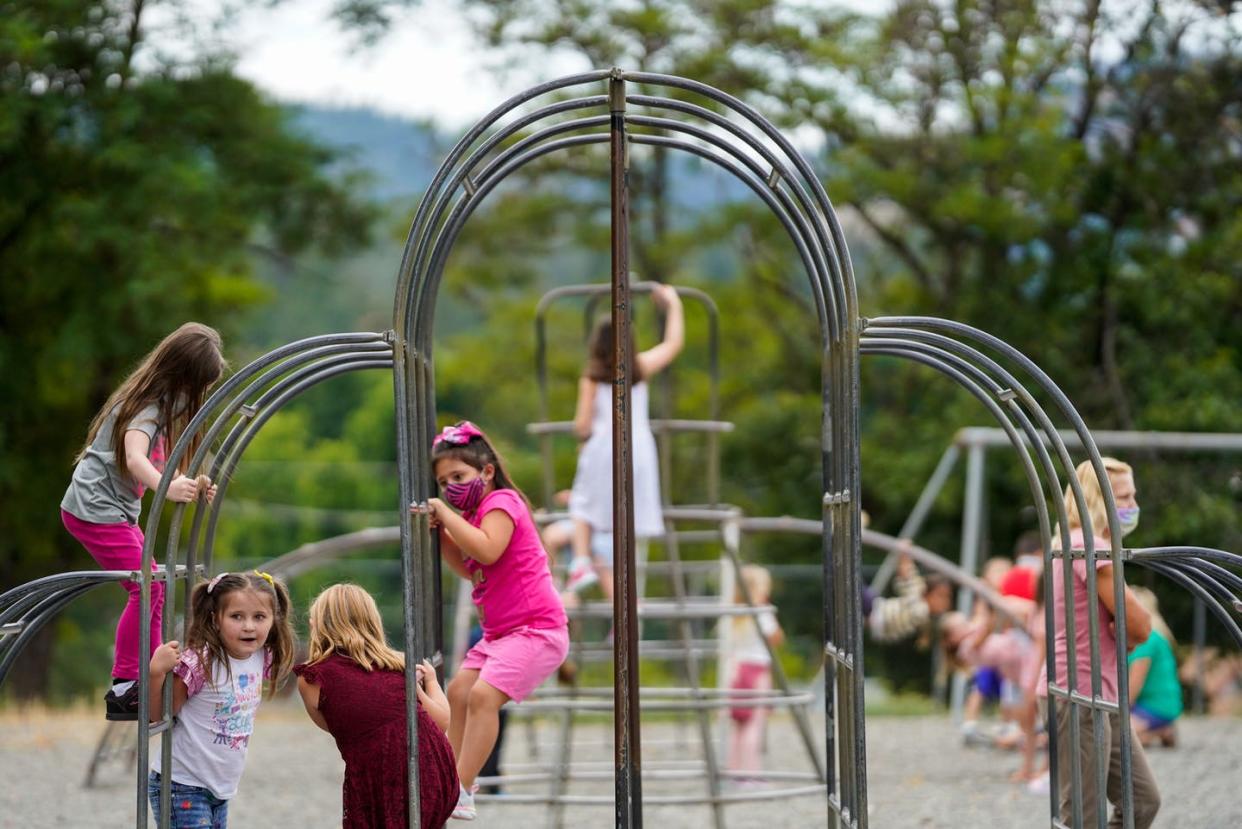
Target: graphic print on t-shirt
[(234, 716)]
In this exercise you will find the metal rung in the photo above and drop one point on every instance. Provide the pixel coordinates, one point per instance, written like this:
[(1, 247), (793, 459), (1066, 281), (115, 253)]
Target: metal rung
[(774, 178), (12, 628), (159, 727), (832, 652), (833, 498), (1100, 555), (248, 411), (1097, 703), (1006, 395), (469, 185)]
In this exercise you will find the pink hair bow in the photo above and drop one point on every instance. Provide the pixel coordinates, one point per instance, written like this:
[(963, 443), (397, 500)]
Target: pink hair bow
[(458, 435)]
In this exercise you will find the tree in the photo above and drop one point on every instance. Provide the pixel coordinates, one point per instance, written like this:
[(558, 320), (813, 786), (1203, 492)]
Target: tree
[(133, 200)]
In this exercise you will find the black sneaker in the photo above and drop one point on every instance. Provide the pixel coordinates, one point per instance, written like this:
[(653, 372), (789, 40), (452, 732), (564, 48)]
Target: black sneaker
[(123, 708)]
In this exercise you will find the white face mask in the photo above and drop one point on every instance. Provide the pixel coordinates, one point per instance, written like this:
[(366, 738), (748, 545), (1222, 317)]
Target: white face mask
[(1129, 518)]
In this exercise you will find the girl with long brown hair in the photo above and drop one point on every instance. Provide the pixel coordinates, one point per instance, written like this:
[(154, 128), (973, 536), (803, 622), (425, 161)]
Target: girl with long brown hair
[(122, 457), (240, 635), (590, 500)]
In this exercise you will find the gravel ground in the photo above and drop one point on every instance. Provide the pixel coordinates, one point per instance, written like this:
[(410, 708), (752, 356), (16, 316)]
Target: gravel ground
[(921, 776)]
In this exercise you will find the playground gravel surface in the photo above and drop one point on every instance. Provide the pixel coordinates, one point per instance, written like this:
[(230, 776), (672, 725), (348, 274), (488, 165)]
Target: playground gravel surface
[(920, 776)]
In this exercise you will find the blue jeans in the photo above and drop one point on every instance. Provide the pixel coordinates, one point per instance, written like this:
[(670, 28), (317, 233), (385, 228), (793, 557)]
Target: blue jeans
[(193, 807)]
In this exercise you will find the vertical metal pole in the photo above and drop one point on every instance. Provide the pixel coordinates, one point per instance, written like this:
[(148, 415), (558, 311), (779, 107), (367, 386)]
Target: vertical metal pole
[(972, 522), (1200, 634), (415, 532), (628, 759)]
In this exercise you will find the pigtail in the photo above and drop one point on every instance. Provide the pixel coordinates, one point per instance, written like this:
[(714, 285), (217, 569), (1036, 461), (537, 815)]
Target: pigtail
[(281, 640), (203, 636)]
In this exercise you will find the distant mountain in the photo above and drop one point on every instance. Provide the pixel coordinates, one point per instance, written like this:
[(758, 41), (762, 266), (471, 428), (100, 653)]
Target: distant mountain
[(402, 155)]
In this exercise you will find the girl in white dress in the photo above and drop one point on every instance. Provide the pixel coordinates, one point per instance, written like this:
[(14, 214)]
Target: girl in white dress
[(590, 501)]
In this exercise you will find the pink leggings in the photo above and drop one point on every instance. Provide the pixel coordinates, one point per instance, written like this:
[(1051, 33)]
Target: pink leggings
[(119, 547)]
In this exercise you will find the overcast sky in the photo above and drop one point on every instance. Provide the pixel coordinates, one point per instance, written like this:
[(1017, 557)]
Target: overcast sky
[(426, 66)]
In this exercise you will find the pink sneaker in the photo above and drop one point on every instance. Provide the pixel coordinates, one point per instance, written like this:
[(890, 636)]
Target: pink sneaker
[(581, 575)]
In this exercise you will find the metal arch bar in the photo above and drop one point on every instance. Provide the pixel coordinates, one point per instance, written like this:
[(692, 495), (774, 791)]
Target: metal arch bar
[(935, 353), (261, 381), (1067, 408), (217, 400), (817, 239), (793, 222), (41, 614), (844, 272), (953, 369), (424, 213), (957, 347), (496, 171), (235, 442), (288, 389), (11, 597), (1208, 578), (1174, 552), (917, 339), (841, 461), (491, 176), (1199, 592), (1226, 577)]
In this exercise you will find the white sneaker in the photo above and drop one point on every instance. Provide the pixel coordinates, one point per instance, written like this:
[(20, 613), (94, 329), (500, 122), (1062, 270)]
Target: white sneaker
[(1038, 785), (465, 806), (581, 575)]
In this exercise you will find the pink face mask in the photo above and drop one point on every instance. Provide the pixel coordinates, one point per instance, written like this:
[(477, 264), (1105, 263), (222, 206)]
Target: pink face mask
[(465, 496)]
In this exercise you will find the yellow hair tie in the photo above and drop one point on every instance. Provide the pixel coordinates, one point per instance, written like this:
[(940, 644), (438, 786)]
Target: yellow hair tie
[(267, 576)]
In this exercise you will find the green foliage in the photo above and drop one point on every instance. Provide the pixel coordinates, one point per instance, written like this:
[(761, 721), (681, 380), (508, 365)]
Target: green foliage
[(132, 202)]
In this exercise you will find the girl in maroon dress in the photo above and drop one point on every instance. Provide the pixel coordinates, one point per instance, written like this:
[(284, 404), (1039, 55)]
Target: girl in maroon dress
[(353, 686)]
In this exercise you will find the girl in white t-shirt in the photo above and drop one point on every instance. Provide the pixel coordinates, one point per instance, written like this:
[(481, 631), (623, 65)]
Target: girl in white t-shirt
[(240, 635), (752, 670)]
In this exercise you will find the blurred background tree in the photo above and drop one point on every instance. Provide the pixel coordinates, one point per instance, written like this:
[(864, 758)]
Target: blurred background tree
[(134, 199)]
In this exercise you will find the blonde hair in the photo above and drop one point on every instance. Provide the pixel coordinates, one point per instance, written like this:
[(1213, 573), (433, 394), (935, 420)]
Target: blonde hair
[(1147, 599), (758, 583), (344, 619), (1093, 495)]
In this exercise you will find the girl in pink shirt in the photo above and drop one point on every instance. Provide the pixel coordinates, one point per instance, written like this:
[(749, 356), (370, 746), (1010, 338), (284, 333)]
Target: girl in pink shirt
[(493, 543)]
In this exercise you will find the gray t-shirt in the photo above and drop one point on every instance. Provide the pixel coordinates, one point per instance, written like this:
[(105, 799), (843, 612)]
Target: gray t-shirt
[(98, 492)]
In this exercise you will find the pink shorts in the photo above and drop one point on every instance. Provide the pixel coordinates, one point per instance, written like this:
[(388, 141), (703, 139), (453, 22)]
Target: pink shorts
[(518, 662)]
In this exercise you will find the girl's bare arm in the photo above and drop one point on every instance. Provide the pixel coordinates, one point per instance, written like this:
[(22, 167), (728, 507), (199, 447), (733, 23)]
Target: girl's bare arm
[(485, 543), (310, 700), (584, 411)]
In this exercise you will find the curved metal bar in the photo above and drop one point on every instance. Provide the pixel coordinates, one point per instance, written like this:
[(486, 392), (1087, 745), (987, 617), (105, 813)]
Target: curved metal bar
[(1211, 553), (59, 581), (826, 213), (41, 614), (961, 372), (226, 458), (238, 402), (287, 390), (938, 355), (1199, 592), (490, 178), (831, 268), (425, 209), (1097, 463)]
